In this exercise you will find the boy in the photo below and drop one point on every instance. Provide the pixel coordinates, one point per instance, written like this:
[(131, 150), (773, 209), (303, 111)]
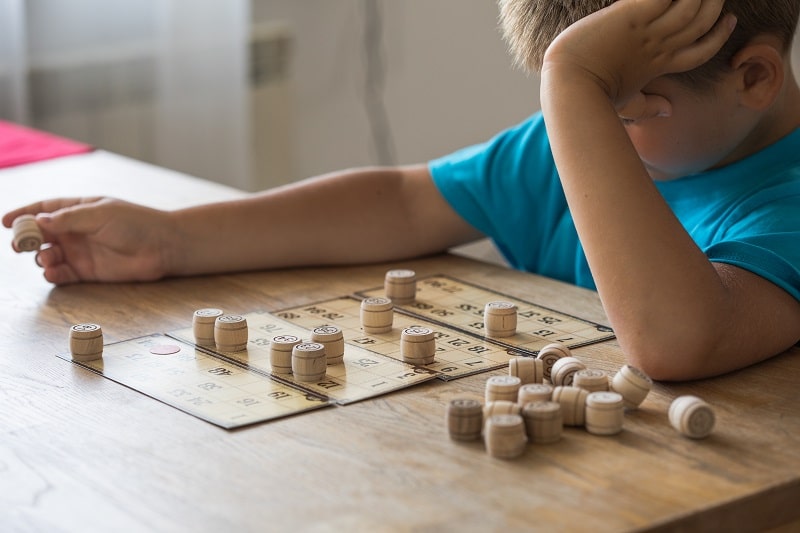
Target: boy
[(676, 196)]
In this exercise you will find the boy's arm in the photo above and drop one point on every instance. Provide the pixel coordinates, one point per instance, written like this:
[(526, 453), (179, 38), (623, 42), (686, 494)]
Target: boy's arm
[(676, 315), (353, 216), (363, 215)]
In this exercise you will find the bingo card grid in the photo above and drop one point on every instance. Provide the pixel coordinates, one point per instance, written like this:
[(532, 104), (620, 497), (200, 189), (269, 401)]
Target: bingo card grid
[(456, 355), (459, 305), (197, 383), (364, 373)]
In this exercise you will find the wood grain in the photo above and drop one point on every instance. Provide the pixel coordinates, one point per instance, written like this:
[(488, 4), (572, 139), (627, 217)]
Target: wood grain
[(81, 453)]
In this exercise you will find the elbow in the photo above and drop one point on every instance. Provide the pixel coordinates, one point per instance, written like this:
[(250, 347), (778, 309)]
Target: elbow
[(670, 356)]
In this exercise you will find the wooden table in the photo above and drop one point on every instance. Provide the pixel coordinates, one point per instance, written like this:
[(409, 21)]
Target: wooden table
[(81, 453)]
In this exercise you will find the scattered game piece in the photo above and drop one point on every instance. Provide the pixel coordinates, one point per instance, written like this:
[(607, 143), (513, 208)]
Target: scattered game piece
[(605, 412), (230, 333), (564, 369), (502, 388), (418, 345), (377, 315), (632, 384), (550, 354), (27, 235), (543, 421), (400, 286), (86, 342), (464, 419), (500, 407), (280, 353), (505, 436), (500, 319), (691, 417), (309, 361), (333, 340), (591, 379), (534, 392), (203, 325), (573, 404), (527, 369)]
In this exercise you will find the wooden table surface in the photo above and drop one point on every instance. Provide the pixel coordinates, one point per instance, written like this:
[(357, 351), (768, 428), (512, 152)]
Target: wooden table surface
[(81, 453)]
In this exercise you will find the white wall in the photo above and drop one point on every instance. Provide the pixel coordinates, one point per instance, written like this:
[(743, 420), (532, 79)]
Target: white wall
[(449, 80)]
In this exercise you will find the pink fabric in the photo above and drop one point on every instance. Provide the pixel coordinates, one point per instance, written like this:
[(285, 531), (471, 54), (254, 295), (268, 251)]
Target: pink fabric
[(19, 145)]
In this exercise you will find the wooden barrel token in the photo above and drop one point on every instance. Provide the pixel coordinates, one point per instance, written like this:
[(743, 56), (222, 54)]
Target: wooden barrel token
[(27, 235), (632, 384), (500, 319), (280, 353), (505, 436), (550, 354), (203, 325), (464, 419), (400, 286), (534, 392), (502, 388), (230, 333), (377, 315), (527, 369), (418, 345), (332, 337), (573, 404), (605, 412), (564, 369), (591, 379), (500, 407), (543, 421), (309, 362), (691, 416), (86, 342)]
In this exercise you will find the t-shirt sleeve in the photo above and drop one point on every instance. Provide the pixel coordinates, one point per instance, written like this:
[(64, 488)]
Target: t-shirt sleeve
[(766, 237), (507, 188)]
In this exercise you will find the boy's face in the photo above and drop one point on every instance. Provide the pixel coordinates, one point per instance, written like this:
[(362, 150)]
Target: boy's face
[(706, 129)]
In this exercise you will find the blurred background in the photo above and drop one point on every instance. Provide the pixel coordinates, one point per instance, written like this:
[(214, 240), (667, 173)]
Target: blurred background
[(259, 93)]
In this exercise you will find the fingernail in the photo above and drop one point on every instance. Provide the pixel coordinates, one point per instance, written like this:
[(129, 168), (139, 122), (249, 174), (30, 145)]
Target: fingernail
[(44, 218)]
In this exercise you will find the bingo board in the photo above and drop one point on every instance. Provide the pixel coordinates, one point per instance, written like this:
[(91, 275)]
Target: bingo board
[(365, 373), (235, 389), (193, 381), (459, 305)]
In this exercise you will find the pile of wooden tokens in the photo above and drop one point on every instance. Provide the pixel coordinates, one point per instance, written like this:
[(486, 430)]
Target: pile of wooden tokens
[(541, 395)]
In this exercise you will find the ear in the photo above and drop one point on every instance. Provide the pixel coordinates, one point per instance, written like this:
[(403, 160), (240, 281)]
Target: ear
[(760, 72)]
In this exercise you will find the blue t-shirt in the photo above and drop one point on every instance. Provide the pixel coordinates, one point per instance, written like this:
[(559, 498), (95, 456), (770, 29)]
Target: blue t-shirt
[(746, 214)]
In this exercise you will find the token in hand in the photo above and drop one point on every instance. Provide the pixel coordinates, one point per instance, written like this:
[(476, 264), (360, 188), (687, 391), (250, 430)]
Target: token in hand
[(27, 235)]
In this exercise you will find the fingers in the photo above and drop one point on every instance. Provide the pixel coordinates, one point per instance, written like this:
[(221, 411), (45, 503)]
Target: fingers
[(45, 206), (80, 218), (705, 47), (62, 274)]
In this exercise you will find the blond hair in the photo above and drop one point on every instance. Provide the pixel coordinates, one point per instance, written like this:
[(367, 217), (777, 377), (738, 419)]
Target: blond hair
[(529, 26)]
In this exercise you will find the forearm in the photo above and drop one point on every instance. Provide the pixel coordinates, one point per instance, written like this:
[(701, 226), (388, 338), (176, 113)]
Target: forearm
[(660, 291), (356, 216)]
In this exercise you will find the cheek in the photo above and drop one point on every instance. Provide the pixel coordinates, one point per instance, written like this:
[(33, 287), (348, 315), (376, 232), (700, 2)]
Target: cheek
[(674, 148)]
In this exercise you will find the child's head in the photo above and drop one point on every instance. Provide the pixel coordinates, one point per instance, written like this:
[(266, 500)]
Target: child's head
[(530, 26)]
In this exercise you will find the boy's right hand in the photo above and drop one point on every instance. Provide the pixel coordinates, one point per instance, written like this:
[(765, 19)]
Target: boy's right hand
[(99, 239)]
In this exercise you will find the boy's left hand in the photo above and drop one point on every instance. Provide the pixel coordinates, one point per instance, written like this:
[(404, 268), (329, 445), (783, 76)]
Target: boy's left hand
[(628, 44)]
